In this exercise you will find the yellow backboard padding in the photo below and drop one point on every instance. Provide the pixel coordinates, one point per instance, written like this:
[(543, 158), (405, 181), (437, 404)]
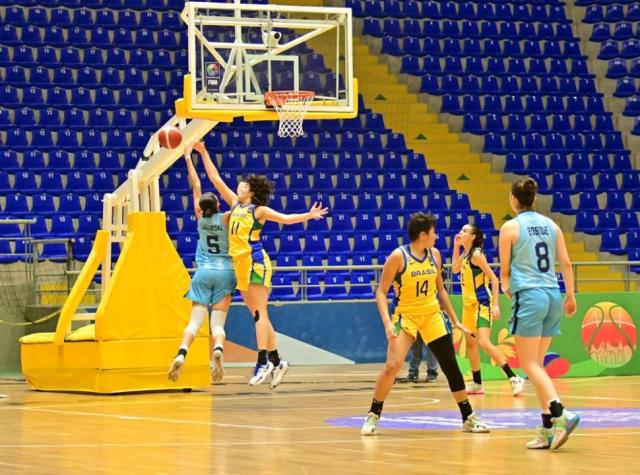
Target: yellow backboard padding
[(145, 295), (184, 108)]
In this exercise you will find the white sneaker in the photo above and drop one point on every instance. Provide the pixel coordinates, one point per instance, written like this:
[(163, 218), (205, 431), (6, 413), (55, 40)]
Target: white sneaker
[(370, 426), (176, 368), (474, 424), (517, 385), (217, 366), (278, 373), (542, 440), (260, 373), (474, 388)]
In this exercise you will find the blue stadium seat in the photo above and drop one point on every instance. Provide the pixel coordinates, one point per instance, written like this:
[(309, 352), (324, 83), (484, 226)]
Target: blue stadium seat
[(314, 244), (339, 244), (70, 204), (611, 243), (16, 205), (282, 289), (585, 222)]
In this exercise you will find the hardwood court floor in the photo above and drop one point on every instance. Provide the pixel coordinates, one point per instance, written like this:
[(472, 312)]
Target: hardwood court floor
[(235, 429)]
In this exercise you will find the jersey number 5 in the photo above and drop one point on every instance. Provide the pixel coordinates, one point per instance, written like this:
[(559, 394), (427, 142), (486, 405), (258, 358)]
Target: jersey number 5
[(542, 253), (212, 244)]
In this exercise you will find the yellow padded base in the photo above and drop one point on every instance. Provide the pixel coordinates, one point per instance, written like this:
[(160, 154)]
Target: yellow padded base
[(109, 367)]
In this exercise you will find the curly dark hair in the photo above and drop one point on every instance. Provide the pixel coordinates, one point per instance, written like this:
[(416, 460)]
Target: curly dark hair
[(261, 189)]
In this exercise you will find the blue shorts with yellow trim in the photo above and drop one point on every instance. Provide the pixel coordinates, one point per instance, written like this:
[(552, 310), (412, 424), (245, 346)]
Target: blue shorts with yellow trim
[(252, 268), (431, 326)]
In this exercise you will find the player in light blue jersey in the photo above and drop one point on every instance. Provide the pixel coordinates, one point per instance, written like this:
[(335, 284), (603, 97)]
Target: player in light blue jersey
[(214, 282), (530, 244)]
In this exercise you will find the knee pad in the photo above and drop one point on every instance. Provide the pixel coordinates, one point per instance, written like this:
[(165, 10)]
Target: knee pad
[(256, 317), (445, 353), (198, 316), (218, 318)]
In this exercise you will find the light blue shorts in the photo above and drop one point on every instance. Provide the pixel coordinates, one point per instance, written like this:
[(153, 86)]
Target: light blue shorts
[(536, 312), (210, 286)]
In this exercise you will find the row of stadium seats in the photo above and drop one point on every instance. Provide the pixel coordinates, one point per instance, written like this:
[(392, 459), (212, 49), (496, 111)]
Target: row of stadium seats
[(96, 118), (499, 10), (585, 182), (473, 47), (612, 49), (552, 142), (568, 203), (467, 29), (572, 163), (80, 182), (98, 37), (61, 160), (89, 138), (93, 57), (105, 18), (541, 123), (612, 13), (621, 31), (106, 98), (157, 5), (91, 78)]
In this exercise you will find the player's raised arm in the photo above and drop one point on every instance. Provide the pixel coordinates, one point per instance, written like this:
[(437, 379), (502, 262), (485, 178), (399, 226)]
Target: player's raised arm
[(194, 180), (212, 172), (264, 213)]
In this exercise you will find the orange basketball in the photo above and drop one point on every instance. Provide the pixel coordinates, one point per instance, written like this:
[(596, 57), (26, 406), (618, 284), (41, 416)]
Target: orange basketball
[(609, 334), (170, 137)]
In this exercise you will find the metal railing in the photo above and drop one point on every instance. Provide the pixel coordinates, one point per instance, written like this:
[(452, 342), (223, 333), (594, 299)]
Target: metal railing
[(309, 284)]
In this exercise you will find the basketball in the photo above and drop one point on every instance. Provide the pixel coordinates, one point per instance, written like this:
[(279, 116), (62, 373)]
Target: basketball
[(170, 137), (609, 334)]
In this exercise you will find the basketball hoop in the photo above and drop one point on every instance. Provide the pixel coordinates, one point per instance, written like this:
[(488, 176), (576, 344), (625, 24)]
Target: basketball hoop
[(291, 107)]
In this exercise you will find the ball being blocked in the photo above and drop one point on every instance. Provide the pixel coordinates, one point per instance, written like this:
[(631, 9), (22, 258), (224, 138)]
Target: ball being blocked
[(609, 334), (170, 137)]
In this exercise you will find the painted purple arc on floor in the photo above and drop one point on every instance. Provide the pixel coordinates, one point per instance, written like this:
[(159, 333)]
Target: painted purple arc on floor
[(591, 418)]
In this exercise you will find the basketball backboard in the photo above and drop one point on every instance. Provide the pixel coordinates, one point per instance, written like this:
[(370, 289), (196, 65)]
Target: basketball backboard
[(238, 52)]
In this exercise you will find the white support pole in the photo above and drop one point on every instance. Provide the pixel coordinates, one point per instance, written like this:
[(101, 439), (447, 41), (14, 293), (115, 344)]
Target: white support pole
[(107, 225), (154, 194)]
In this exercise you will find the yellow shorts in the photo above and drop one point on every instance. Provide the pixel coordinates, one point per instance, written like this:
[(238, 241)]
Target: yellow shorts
[(476, 316), (252, 268), (431, 326)]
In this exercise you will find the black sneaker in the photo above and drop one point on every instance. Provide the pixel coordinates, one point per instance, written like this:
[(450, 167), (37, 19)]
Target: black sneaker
[(413, 377), (432, 376)]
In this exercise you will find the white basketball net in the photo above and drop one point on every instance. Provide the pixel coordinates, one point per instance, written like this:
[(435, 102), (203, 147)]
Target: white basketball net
[(291, 107)]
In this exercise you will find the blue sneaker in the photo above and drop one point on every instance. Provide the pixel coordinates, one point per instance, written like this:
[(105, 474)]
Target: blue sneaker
[(563, 426), (260, 373)]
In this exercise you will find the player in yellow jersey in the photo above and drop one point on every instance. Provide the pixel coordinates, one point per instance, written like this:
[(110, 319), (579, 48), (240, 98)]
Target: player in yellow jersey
[(420, 296), (249, 212), (480, 306)]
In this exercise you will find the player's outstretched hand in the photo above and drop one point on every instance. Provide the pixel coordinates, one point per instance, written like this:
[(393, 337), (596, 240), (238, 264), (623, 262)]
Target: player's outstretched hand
[(570, 306), (199, 147), (317, 211)]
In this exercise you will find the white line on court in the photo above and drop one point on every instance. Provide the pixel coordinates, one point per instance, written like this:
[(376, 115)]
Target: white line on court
[(355, 440)]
